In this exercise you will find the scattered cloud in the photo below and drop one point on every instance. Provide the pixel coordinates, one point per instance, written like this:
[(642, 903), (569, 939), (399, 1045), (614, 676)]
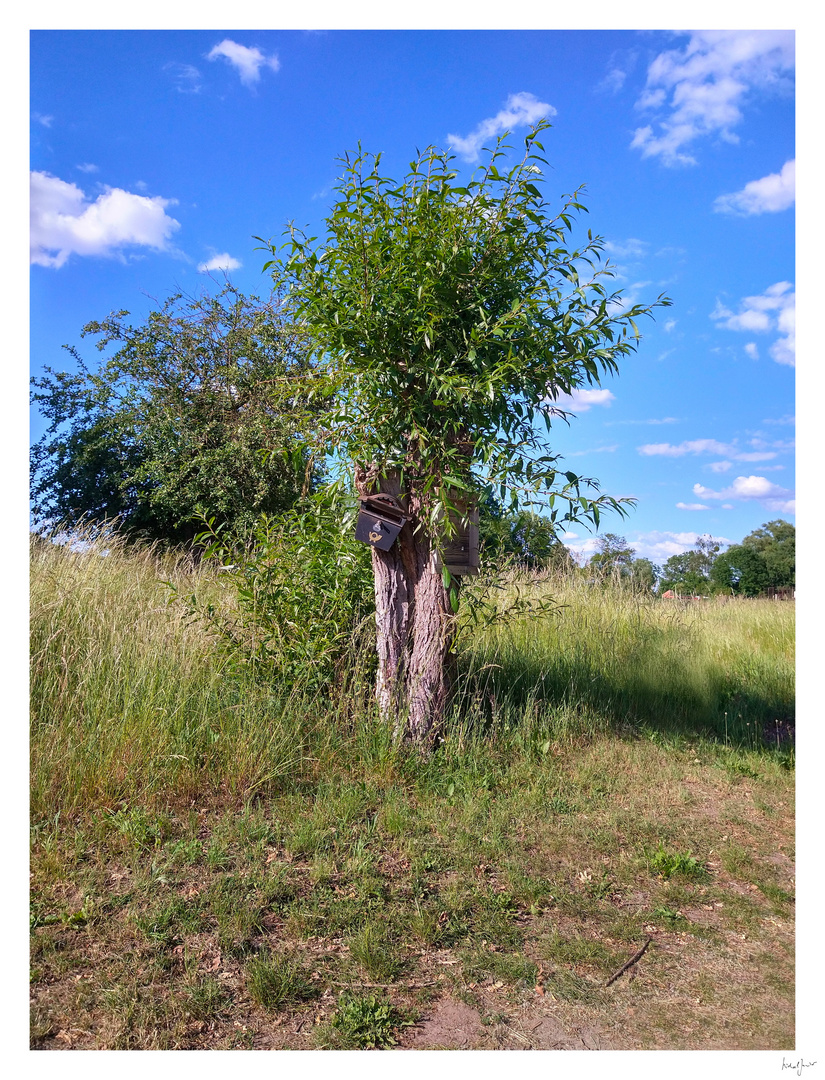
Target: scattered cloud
[(772, 193), (745, 488), (580, 401), (187, 77), (761, 451), (88, 168), (699, 90), (658, 546), (219, 262), (752, 350), (594, 450), (627, 249), (669, 326), (787, 419), (613, 81), (46, 121), (664, 420), (64, 221), (774, 310), (693, 446), (691, 506), (248, 62), (520, 110)]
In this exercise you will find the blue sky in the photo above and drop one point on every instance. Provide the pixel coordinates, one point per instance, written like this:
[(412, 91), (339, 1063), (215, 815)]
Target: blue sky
[(157, 156)]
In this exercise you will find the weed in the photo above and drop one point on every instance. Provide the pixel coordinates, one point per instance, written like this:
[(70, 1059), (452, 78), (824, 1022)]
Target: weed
[(275, 981), (366, 1022), (667, 863), (668, 915)]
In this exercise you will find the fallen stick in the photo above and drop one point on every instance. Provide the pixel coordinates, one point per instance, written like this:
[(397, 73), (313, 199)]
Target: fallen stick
[(636, 956), (387, 986)]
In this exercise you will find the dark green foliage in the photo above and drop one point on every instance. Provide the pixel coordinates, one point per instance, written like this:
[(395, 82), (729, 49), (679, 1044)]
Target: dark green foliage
[(522, 537), (741, 570), (776, 543), (766, 559), (304, 588), (199, 411)]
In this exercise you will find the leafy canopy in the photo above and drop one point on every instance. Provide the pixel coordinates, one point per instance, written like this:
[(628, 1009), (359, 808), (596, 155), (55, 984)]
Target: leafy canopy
[(192, 414), (448, 318)]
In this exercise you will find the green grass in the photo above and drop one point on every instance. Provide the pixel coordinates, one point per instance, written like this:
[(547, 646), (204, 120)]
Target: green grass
[(208, 848)]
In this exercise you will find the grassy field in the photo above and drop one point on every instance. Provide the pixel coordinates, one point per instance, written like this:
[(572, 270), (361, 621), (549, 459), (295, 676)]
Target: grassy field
[(219, 861)]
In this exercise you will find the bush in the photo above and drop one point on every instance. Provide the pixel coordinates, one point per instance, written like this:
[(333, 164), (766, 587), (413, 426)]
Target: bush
[(303, 588)]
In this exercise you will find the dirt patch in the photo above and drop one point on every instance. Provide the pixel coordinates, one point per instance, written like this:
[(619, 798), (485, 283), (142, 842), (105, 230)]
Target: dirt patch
[(450, 1025)]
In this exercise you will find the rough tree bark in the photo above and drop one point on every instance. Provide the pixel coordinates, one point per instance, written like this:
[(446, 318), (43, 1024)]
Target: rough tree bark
[(415, 626)]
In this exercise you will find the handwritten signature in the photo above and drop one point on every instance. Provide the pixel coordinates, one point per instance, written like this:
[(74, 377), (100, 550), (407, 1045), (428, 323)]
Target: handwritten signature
[(797, 1066)]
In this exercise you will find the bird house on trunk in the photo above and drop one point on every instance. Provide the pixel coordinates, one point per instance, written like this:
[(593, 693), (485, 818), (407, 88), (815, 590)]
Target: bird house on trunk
[(380, 520), (460, 554)]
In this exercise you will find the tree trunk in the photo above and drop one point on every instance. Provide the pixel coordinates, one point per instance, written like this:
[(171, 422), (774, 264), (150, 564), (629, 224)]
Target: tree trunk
[(415, 628)]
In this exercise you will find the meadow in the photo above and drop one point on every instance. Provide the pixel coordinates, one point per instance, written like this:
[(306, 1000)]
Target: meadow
[(225, 859)]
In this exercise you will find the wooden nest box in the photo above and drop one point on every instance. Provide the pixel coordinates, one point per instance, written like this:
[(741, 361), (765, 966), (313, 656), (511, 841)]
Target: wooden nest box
[(460, 554)]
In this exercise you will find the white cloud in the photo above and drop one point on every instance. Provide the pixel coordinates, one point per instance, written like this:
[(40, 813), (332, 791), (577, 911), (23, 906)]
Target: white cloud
[(65, 222), (699, 90), (720, 466), (752, 350), (659, 546), (694, 446), (774, 310), (594, 450), (746, 487), (520, 110), (786, 419), (627, 249), (670, 325), (219, 262), (708, 446), (46, 121), (248, 62), (778, 506), (88, 168), (691, 506), (187, 76), (772, 193), (664, 420), (580, 401)]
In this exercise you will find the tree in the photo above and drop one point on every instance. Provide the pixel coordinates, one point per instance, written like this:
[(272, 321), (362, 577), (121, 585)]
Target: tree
[(643, 575), (199, 411), (764, 560), (741, 570), (614, 559), (449, 318), (528, 539), (689, 573), (776, 543)]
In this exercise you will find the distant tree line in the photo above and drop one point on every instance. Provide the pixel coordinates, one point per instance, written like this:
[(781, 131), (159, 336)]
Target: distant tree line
[(765, 560)]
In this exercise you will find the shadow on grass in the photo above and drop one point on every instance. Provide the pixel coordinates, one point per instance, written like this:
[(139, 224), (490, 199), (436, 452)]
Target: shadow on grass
[(667, 691)]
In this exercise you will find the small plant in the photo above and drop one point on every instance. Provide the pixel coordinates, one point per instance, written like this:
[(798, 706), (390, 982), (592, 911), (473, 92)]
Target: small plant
[(667, 863), (206, 999), (668, 915), (279, 980), (372, 948), (366, 1022)]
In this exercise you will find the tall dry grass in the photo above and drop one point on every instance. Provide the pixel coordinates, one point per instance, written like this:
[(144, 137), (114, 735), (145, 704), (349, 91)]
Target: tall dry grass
[(133, 701)]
